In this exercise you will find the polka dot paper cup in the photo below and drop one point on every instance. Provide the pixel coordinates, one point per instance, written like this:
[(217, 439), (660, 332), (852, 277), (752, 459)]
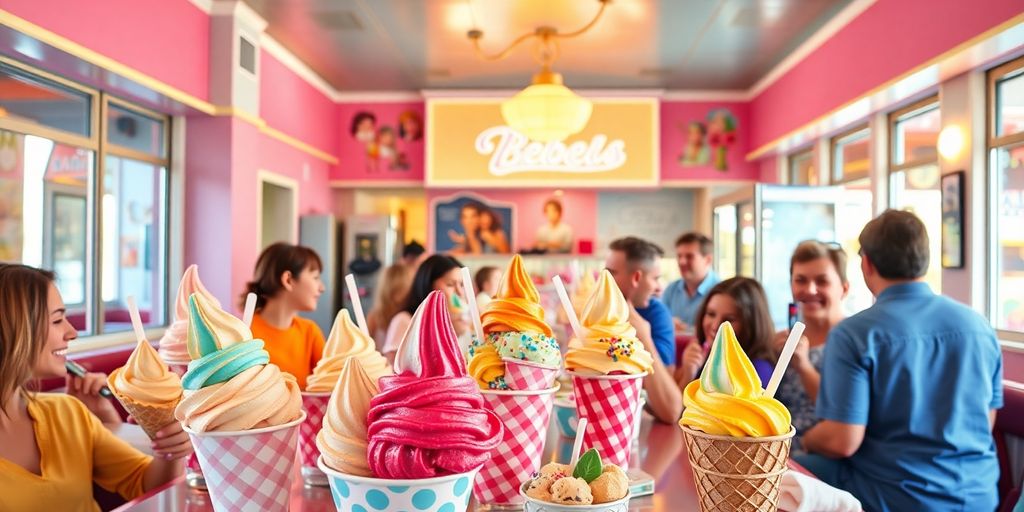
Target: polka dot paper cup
[(449, 493)]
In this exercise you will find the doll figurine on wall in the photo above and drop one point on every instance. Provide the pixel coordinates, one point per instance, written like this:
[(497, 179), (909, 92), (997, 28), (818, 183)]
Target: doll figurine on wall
[(695, 153), (721, 135)]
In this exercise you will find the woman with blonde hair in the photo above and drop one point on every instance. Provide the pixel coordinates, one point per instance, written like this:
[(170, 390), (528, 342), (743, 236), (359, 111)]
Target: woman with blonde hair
[(392, 292), (54, 449)]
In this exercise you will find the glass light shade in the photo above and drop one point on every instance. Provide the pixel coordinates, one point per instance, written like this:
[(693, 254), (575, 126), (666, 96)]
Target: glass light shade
[(547, 112)]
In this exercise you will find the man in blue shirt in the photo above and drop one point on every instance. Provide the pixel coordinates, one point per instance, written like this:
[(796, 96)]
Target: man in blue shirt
[(694, 254), (909, 388), (634, 265)]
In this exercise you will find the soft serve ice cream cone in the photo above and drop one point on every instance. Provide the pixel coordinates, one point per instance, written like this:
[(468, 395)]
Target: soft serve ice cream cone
[(174, 343), (241, 412), (607, 368), (342, 441), (737, 438), (514, 329), (146, 389)]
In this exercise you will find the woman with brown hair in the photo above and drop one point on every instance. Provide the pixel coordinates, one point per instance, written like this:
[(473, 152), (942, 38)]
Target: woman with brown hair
[(53, 449), (287, 281), (392, 292), (740, 301)]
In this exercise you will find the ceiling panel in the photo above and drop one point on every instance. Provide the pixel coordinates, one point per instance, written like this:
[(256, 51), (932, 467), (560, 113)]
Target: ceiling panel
[(367, 45)]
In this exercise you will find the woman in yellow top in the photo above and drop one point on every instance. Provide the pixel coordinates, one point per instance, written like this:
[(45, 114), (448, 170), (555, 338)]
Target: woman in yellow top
[(53, 448), (287, 281)]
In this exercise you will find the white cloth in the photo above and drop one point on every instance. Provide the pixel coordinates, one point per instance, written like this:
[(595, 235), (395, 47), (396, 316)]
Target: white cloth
[(802, 493)]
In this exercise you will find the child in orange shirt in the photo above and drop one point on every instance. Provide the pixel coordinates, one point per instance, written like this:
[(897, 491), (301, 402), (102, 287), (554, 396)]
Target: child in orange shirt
[(286, 281)]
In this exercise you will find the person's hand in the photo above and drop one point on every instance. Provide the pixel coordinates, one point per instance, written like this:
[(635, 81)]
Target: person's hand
[(456, 238), (680, 326), (693, 360), (87, 389), (801, 355), (172, 443)]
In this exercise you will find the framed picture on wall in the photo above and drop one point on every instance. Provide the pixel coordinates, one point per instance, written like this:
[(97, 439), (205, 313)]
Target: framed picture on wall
[(953, 220)]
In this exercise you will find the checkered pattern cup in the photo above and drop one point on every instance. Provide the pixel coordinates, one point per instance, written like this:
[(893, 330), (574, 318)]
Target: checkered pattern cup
[(528, 376), (351, 493), (315, 405), (609, 403), (525, 415), (249, 469)]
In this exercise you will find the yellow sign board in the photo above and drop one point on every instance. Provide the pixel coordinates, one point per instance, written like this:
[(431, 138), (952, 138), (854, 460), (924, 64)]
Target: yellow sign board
[(469, 145)]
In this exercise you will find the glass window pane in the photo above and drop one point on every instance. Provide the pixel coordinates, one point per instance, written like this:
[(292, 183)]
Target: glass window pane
[(853, 212), (801, 169), (133, 227), (748, 237), (1008, 240), (32, 99), (135, 131), (916, 136), (1010, 105), (45, 188), (784, 224), (917, 190), (725, 241), (851, 158)]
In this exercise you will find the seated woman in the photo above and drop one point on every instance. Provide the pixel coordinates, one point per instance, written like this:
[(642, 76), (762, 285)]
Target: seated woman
[(287, 281), (392, 292), (742, 302), (53, 448), (818, 280)]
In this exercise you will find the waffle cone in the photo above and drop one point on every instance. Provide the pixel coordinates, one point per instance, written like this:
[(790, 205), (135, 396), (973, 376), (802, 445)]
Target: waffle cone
[(737, 473), (151, 418)]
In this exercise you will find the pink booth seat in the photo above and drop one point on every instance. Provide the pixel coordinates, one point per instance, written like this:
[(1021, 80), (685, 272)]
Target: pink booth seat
[(1009, 422), (112, 315)]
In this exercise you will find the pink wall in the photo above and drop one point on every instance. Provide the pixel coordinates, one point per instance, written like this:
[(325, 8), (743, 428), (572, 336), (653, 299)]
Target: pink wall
[(132, 32), (289, 104), (875, 47), (768, 170), (578, 207), (207, 184), (357, 161), (675, 120)]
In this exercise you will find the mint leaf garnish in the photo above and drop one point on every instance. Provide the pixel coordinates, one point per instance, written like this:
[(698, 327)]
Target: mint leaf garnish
[(589, 466)]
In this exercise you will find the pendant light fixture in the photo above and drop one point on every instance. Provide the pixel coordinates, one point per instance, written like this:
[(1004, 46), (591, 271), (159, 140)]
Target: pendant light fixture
[(546, 110)]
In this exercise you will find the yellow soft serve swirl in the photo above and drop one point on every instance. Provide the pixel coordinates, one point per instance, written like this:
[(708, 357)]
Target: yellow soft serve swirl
[(728, 399), (610, 344)]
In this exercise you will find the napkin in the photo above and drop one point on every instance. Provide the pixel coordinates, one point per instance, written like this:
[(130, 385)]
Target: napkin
[(802, 493)]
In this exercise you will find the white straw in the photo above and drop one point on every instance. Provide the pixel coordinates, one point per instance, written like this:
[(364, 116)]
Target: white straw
[(474, 310), (784, 357), (250, 309), (133, 312), (570, 313), (577, 445), (353, 293)]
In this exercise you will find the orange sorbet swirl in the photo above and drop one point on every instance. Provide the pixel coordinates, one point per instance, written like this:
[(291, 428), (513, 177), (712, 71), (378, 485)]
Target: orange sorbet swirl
[(516, 307)]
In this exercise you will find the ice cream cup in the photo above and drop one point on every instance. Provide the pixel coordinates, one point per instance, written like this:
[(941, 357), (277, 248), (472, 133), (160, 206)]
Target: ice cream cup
[(248, 469), (737, 473), (525, 415), (449, 493), (535, 505), (315, 405), (609, 402), (527, 375)]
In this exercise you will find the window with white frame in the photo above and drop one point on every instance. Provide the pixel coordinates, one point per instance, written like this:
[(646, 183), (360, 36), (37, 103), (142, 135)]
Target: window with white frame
[(84, 181), (802, 170)]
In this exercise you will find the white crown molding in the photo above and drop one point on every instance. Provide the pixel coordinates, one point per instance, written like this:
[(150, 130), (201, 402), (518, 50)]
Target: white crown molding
[(203, 5), (706, 95), (377, 96), (290, 61), (823, 34), (239, 10)]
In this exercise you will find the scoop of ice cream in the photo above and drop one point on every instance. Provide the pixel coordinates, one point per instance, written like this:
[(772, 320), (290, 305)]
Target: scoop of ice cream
[(612, 485), (486, 366), (516, 307), (145, 379), (535, 348), (429, 418), (261, 396), (345, 341), (174, 343), (610, 344), (229, 385), (342, 441), (728, 400), (571, 491)]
